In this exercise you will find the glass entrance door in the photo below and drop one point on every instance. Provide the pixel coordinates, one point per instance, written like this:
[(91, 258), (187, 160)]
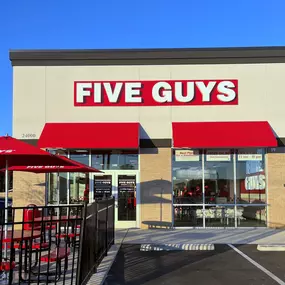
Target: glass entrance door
[(123, 186)]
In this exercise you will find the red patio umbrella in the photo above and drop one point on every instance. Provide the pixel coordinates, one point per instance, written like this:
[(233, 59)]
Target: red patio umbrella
[(78, 167), (14, 152)]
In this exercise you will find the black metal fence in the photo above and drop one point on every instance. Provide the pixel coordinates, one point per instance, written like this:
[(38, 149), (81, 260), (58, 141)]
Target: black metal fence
[(97, 238), (55, 244)]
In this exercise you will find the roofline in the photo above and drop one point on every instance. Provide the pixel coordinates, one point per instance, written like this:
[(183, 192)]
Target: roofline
[(160, 56)]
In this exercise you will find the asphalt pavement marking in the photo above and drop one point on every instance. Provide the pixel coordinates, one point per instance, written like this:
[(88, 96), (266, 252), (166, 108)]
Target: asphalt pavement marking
[(270, 274)]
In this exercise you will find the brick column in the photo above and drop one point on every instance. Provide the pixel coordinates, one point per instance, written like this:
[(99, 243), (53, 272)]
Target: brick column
[(155, 187), (276, 189), (28, 188)]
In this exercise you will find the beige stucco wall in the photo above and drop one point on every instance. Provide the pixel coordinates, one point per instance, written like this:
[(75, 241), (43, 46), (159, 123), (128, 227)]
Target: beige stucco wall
[(46, 94), (156, 188)]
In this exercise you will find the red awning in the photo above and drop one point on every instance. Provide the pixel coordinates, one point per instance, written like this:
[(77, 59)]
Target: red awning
[(223, 135), (90, 135)]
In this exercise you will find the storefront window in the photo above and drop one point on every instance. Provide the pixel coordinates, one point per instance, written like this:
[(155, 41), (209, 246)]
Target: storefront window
[(77, 184), (55, 197), (219, 178), (78, 181), (115, 160), (234, 187), (251, 216), (81, 156), (57, 192), (251, 184), (187, 177), (2, 181)]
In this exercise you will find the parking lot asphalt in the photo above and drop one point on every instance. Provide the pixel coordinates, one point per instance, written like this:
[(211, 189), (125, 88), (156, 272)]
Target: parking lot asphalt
[(239, 264)]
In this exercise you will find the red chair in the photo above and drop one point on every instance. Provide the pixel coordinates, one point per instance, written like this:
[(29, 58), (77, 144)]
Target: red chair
[(29, 215)]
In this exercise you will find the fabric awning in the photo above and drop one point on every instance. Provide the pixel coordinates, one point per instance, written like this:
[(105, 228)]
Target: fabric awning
[(90, 135), (223, 134)]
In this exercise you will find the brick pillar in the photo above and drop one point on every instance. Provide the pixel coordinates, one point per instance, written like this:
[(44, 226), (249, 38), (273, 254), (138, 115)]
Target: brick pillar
[(276, 189), (28, 188), (155, 187)]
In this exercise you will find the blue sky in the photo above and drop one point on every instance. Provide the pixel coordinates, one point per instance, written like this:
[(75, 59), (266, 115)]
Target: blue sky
[(47, 24)]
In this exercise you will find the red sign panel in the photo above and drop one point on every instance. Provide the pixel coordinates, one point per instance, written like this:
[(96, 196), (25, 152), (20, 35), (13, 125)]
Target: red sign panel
[(156, 93)]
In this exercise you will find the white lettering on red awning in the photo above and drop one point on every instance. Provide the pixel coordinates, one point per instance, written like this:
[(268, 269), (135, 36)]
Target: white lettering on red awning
[(6, 151), (154, 93)]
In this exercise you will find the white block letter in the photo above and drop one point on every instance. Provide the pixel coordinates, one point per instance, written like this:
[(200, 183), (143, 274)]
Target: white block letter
[(133, 89), (190, 93), (81, 91), (226, 94), (166, 93), (113, 96), (97, 93), (206, 90)]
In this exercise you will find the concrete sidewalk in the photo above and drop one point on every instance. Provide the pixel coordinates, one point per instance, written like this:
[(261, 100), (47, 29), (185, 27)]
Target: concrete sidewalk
[(203, 236)]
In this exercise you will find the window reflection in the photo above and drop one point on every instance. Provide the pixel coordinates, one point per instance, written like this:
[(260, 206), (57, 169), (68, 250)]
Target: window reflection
[(229, 175), (57, 193), (2, 181), (78, 182), (115, 160), (251, 182), (187, 177), (252, 216), (219, 178), (81, 156)]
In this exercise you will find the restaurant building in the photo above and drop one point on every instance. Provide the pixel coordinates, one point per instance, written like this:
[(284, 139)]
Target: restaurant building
[(184, 137)]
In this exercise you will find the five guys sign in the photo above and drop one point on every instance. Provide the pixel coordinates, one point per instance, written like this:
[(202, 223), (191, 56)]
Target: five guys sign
[(156, 93)]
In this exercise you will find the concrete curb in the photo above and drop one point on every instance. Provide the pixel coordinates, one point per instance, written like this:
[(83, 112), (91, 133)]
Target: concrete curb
[(169, 247), (277, 247), (105, 266)]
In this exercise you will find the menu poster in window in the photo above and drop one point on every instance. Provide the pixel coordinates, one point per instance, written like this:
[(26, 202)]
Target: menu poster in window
[(102, 186), (249, 155), (126, 184), (187, 155), (218, 155)]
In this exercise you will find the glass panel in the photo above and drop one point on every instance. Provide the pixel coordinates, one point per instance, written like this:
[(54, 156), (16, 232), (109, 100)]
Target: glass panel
[(219, 216), (187, 176), (53, 197), (188, 216), (115, 160), (102, 186), (78, 182), (2, 181), (126, 197), (81, 156), (251, 216), (219, 177), (98, 161), (251, 177)]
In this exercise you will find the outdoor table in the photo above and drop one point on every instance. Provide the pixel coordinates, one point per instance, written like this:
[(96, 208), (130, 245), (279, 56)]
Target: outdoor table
[(56, 219), (20, 236)]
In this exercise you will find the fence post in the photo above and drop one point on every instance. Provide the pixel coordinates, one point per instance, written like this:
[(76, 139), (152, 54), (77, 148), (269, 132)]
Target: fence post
[(106, 236), (96, 234), (113, 228), (82, 237)]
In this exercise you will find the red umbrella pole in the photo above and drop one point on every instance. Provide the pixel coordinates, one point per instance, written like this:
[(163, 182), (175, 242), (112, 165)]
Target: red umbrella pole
[(6, 193), (6, 204)]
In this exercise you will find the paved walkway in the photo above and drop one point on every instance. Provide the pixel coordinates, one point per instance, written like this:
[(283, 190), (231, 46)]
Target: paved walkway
[(189, 236), (195, 236)]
